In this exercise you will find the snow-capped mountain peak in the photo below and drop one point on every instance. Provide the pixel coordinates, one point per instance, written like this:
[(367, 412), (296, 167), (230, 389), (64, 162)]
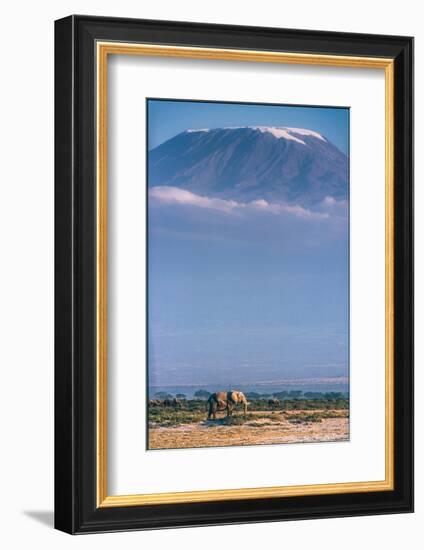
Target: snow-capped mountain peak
[(193, 130), (279, 132), (248, 163), (306, 132)]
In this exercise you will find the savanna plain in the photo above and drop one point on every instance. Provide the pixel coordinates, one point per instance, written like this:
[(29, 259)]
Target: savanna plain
[(177, 423)]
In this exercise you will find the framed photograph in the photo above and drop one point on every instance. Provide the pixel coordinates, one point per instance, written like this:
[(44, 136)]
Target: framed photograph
[(234, 274)]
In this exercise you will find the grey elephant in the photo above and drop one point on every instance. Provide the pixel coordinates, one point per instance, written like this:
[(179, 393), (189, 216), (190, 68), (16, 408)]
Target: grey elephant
[(225, 400), (172, 402), (273, 402)]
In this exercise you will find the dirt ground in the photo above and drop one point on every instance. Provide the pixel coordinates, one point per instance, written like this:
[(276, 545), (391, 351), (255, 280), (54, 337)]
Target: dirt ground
[(255, 432)]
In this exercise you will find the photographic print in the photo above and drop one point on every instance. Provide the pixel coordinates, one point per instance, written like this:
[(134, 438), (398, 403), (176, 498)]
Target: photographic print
[(248, 274)]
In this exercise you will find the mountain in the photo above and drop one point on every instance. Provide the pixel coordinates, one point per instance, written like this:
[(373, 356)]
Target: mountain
[(292, 165)]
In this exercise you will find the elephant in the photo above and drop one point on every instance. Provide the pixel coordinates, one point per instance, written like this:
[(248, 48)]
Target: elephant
[(273, 402), (225, 400), (176, 403), (172, 402)]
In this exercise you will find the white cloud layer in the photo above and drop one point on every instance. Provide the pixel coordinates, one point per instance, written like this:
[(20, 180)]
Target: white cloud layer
[(175, 195)]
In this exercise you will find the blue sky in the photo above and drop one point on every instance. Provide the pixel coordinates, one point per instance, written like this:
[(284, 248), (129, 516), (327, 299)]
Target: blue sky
[(169, 118), (246, 296)]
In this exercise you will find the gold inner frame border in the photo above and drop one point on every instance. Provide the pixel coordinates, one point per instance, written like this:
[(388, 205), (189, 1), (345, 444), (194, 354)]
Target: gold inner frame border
[(103, 50)]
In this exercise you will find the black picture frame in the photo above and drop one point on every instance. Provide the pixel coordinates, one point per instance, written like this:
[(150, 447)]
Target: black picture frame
[(76, 509)]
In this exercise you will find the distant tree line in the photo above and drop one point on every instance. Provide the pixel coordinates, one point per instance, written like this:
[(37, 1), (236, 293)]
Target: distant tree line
[(166, 395), (281, 395)]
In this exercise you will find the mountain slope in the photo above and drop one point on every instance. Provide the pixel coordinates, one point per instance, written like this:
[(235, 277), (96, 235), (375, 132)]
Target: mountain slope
[(293, 165)]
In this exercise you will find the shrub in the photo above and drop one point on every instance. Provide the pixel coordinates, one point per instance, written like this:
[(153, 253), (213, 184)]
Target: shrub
[(202, 394)]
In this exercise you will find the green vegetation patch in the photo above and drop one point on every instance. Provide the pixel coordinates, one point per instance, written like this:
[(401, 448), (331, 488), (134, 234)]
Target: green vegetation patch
[(192, 411), (167, 417)]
